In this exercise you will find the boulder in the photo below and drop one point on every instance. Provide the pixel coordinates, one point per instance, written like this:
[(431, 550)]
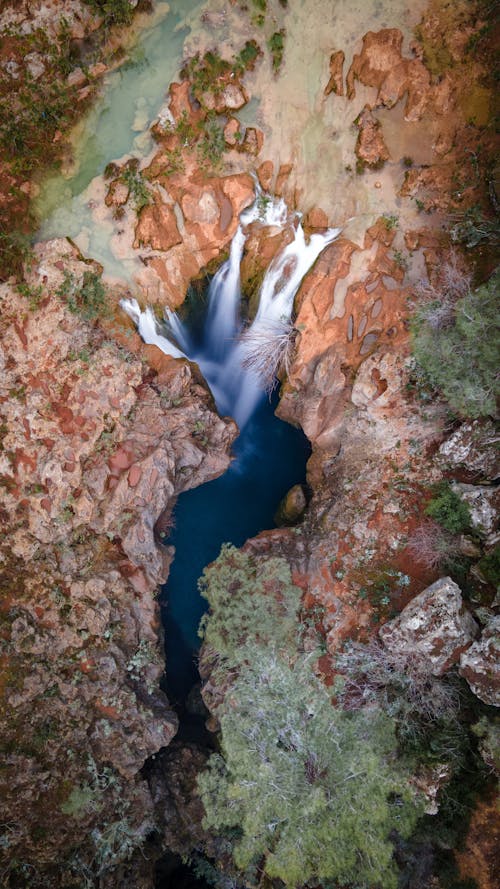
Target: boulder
[(479, 665), (484, 504), (291, 507), (473, 448), (435, 626)]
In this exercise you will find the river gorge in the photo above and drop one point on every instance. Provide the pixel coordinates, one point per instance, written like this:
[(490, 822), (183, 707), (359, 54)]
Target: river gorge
[(248, 450)]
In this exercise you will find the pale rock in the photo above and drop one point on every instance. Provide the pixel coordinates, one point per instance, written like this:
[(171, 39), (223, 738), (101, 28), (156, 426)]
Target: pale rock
[(435, 626), (480, 664), (483, 503), (473, 447)]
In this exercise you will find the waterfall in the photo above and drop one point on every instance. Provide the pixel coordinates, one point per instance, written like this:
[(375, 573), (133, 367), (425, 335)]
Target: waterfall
[(223, 354)]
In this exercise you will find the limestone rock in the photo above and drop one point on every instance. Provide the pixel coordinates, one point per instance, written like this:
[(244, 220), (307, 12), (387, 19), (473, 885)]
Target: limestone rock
[(484, 505), (480, 664), (380, 64), (434, 625), (291, 507), (370, 145), (336, 84), (473, 448), (232, 131), (157, 228), (265, 174)]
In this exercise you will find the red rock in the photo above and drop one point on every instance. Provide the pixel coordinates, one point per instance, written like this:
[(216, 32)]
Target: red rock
[(119, 460), (69, 467), (283, 174), (370, 146), (21, 334), (336, 84), (316, 218), (157, 228), (265, 174), (46, 504), (134, 475)]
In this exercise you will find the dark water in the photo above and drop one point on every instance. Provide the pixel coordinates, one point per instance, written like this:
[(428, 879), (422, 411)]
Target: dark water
[(270, 457)]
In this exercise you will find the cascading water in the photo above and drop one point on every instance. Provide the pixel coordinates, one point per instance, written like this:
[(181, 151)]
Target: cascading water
[(270, 456), (222, 354)]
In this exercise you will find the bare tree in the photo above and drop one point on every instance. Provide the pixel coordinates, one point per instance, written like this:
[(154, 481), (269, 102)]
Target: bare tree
[(431, 546), (269, 345)]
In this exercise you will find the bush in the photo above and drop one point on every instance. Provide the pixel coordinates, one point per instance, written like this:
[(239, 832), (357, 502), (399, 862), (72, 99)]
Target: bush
[(87, 299), (456, 343), (115, 12), (432, 547), (139, 191), (251, 600), (314, 792), (448, 509)]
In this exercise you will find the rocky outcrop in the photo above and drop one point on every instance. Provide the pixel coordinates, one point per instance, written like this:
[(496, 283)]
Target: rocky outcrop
[(380, 64), (484, 506), (472, 449), (336, 83), (94, 449), (370, 146), (435, 626), (480, 664)]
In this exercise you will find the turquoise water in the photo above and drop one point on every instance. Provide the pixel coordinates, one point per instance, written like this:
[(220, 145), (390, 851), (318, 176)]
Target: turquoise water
[(270, 457), (116, 125)]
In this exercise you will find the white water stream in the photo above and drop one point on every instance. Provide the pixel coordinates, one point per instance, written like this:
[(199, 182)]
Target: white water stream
[(238, 389)]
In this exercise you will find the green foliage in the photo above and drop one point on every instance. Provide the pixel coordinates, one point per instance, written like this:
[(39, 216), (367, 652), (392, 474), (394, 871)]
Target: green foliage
[(489, 566), (247, 57), (276, 45), (80, 801), (15, 249), (115, 12), (251, 600), (86, 299), (461, 355), (313, 792), (139, 191), (448, 509), (473, 228), (212, 144), (390, 221), (33, 294)]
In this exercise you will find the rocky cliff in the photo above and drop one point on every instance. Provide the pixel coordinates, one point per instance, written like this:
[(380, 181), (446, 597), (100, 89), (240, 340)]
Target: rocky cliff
[(99, 434)]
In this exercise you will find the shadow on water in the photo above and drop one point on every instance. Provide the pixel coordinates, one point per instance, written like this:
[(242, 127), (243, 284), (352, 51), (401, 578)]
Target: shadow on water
[(270, 457)]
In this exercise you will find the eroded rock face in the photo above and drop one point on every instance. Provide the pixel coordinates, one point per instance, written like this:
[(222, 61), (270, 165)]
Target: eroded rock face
[(95, 447), (172, 780), (435, 625), (480, 664), (370, 146), (484, 506), (380, 64), (336, 83), (473, 448)]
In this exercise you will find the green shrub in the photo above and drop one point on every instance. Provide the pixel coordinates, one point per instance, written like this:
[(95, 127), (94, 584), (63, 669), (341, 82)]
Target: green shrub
[(276, 45), (87, 299), (115, 12), (313, 792), (211, 146), (448, 509), (139, 191), (458, 348), (251, 601)]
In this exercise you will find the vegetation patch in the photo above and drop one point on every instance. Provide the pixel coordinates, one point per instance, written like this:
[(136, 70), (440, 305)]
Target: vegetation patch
[(456, 342), (86, 298), (276, 45)]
